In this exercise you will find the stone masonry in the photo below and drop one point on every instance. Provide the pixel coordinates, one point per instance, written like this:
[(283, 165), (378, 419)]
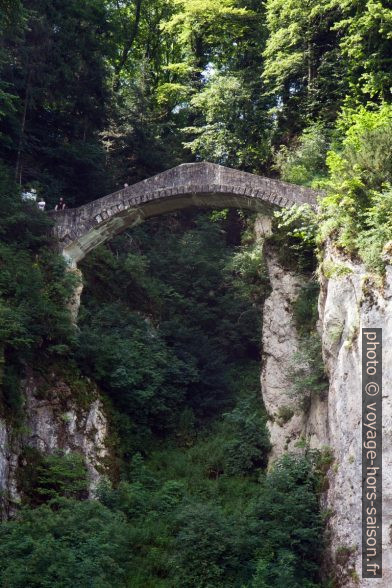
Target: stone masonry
[(202, 185)]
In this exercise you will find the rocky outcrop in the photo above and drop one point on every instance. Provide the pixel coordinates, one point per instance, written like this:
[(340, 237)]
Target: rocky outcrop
[(288, 425), (58, 415), (74, 301), (350, 300), (56, 421), (8, 463)]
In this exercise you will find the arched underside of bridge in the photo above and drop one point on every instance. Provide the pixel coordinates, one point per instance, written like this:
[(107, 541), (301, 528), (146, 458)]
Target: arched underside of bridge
[(202, 185)]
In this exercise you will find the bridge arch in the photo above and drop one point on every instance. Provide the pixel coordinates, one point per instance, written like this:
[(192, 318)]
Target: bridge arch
[(202, 185)]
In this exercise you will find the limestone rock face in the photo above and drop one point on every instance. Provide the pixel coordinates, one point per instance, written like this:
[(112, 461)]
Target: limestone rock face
[(8, 491), (57, 422), (4, 468), (74, 302), (350, 301), (54, 420), (280, 342)]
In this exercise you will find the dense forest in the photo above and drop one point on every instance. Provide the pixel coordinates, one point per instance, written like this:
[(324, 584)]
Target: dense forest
[(99, 93)]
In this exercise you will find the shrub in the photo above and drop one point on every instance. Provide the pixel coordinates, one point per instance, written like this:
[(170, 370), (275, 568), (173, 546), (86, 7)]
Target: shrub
[(206, 553), (62, 475), (295, 232), (249, 445), (357, 211), (307, 372), (304, 162), (46, 477), (305, 309), (289, 525), (64, 543)]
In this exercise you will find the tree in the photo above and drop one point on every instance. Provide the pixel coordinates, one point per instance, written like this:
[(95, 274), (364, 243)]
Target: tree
[(220, 79), (365, 28), (82, 543), (303, 69), (56, 68), (289, 525)]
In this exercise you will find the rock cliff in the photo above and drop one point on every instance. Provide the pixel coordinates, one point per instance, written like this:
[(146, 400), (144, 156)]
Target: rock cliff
[(56, 415), (287, 424), (350, 299)]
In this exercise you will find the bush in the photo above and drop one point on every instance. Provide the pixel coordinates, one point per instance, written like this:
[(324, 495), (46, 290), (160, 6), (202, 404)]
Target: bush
[(356, 213), (294, 235), (304, 162), (249, 442), (307, 371), (305, 309), (46, 477), (62, 475), (206, 548), (34, 290), (65, 543), (289, 526)]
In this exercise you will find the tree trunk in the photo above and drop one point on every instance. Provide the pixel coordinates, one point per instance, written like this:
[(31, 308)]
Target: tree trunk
[(127, 46), (18, 166)]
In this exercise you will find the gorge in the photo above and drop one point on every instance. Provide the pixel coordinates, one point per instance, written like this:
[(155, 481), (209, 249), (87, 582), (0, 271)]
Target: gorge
[(326, 420), (181, 400)]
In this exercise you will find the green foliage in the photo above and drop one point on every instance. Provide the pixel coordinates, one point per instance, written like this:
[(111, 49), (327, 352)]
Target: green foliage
[(307, 372), (289, 523), (319, 55), (365, 147), (237, 445), (62, 476), (222, 137), (52, 476), (206, 547), (64, 542), (305, 309), (295, 231), (304, 161), (303, 69), (365, 31), (217, 72), (59, 97), (284, 414), (34, 290), (356, 211), (215, 531), (199, 318), (247, 273), (149, 532), (299, 222), (377, 233), (127, 355), (249, 441)]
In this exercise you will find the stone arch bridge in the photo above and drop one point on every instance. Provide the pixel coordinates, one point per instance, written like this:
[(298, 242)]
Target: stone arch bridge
[(79, 230)]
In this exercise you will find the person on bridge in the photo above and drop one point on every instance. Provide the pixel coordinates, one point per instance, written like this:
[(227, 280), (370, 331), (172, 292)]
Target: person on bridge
[(41, 204), (60, 205)]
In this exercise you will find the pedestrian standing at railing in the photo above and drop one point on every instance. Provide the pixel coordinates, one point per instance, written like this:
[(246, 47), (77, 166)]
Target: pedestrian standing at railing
[(60, 205)]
